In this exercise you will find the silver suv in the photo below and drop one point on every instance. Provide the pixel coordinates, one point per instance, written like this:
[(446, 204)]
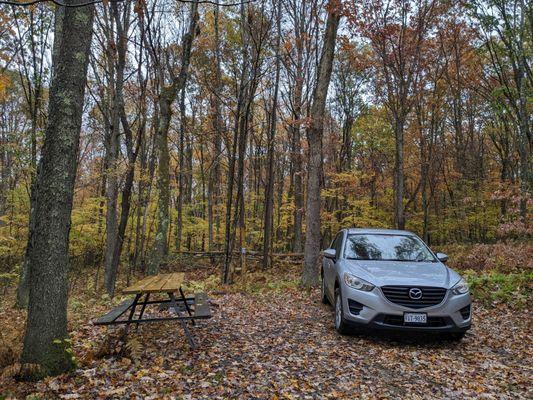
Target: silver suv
[(390, 279)]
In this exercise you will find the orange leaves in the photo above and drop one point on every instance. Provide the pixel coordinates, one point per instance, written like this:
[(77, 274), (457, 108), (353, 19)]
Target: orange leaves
[(288, 45), (138, 8)]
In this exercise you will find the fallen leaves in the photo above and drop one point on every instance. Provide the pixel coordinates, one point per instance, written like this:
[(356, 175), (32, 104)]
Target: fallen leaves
[(282, 345)]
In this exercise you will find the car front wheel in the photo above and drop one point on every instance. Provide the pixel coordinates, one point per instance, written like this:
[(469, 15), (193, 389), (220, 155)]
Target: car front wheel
[(340, 323), (323, 295)]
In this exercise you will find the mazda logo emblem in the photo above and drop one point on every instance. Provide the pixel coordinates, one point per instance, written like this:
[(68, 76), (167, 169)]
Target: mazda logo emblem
[(415, 293)]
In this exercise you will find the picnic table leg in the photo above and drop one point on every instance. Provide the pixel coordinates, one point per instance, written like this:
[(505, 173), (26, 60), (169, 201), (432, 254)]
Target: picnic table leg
[(187, 305), (174, 305), (130, 317), (146, 298)]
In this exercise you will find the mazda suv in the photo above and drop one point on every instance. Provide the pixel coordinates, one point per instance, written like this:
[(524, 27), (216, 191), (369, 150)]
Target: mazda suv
[(390, 279)]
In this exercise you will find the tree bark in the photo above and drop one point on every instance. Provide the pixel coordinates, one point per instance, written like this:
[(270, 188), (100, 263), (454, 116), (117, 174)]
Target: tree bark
[(214, 172), (166, 98), (116, 66), (314, 136), (181, 172), (399, 178), (23, 289), (296, 152), (249, 79), (46, 338), (269, 189)]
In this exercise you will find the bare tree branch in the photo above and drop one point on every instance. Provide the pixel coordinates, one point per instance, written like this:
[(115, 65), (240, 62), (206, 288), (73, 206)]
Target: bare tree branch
[(59, 3)]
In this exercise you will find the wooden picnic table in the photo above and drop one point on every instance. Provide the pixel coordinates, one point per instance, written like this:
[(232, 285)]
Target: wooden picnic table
[(185, 308)]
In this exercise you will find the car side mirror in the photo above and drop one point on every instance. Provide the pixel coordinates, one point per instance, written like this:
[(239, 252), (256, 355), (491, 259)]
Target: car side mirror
[(330, 253), (442, 257)]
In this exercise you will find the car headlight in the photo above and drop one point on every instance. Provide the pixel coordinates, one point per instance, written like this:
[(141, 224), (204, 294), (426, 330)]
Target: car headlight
[(460, 287), (357, 283)]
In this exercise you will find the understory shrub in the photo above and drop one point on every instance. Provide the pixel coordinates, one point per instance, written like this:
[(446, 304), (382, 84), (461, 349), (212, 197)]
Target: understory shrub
[(500, 257), (491, 288)]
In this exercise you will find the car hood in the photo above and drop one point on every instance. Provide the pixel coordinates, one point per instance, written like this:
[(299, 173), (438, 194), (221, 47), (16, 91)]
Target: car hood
[(381, 273)]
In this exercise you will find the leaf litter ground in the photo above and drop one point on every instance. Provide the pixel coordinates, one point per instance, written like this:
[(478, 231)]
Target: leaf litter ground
[(281, 344)]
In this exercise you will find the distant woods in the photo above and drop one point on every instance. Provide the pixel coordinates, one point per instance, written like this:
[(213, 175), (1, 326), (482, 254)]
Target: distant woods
[(198, 125)]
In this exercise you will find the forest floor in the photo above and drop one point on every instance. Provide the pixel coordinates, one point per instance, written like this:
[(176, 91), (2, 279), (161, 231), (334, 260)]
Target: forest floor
[(271, 340)]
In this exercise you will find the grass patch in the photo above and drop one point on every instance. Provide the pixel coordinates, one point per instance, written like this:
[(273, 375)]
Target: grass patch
[(495, 287)]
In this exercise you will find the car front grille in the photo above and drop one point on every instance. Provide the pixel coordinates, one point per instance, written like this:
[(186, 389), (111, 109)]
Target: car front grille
[(431, 296)]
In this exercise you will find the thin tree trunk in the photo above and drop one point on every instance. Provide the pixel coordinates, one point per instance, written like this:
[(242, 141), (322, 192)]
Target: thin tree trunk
[(180, 176), (166, 98), (214, 173), (269, 189), (346, 148), (237, 133), (114, 236), (125, 207), (399, 185)]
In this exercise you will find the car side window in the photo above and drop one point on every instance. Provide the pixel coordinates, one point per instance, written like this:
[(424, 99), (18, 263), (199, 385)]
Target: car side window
[(333, 242), (337, 243), (338, 246)]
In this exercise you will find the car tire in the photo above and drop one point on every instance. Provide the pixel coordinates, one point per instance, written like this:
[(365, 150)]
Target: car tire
[(341, 325), (323, 296)]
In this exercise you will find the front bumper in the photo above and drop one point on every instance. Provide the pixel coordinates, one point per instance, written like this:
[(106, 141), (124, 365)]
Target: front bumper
[(373, 310)]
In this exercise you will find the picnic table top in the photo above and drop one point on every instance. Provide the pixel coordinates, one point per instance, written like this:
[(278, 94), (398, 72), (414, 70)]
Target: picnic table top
[(162, 283)]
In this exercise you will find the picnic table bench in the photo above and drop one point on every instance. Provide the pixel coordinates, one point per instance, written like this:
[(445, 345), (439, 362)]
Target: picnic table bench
[(185, 308)]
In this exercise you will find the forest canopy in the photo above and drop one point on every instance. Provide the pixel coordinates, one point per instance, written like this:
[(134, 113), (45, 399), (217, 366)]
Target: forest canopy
[(452, 80)]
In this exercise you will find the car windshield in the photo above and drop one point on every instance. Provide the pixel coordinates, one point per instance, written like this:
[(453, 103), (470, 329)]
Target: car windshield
[(385, 247)]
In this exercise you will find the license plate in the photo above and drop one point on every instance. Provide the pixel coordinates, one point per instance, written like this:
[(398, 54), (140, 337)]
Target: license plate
[(415, 318)]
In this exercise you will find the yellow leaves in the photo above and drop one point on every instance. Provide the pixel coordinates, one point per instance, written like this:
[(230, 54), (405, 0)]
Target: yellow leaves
[(5, 84)]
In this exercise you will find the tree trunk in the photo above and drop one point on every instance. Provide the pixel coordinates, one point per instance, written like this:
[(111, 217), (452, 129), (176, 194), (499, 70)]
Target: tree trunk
[(166, 98), (524, 116), (346, 147), (399, 217), (23, 288), (112, 150), (298, 189), (46, 339), (237, 133), (269, 189), (314, 136), (180, 176), (163, 182), (214, 172), (296, 155), (117, 64)]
